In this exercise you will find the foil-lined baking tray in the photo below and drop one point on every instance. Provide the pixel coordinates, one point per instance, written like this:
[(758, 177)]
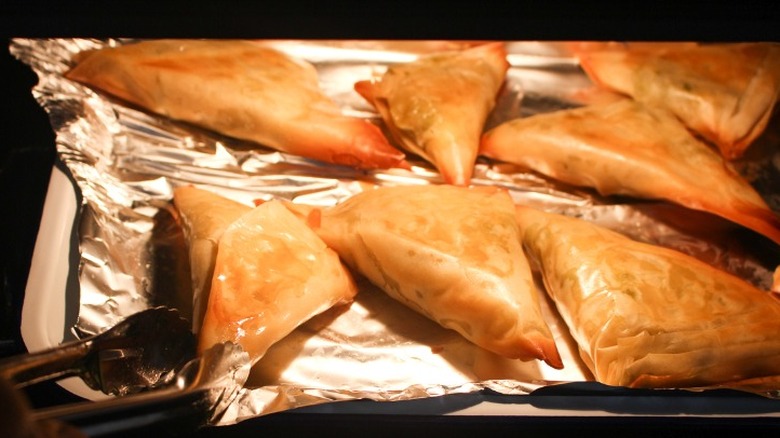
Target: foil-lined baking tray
[(109, 208)]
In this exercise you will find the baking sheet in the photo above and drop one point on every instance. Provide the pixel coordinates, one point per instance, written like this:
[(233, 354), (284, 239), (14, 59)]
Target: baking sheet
[(121, 164), (47, 322)]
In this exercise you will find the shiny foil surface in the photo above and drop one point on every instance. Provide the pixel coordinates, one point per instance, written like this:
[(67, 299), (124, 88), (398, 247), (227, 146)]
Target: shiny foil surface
[(125, 163)]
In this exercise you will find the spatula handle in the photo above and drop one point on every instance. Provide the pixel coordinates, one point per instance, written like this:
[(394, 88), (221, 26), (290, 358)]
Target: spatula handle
[(54, 363)]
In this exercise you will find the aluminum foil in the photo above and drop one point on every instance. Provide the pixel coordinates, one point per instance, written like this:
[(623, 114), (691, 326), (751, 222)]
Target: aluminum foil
[(126, 162)]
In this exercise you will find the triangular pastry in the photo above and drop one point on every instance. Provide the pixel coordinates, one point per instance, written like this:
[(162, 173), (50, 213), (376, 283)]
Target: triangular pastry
[(437, 105), (724, 92), (452, 254), (204, 216), (627, 148), (241, 89), (647, 316), (266, 271), (272, 273)]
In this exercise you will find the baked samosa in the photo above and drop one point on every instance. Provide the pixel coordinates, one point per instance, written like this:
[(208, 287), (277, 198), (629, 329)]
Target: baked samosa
[(724, 92), (204, 216), (272, 273), (241, 89), (437, 105), (452, 254), (648, 316), (628, 148)]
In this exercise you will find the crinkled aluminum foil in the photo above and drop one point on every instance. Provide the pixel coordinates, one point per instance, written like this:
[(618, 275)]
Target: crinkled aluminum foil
[(126, 162)]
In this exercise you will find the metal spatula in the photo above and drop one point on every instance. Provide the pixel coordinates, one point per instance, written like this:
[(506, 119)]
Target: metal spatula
[(142, 352), (149, 360)]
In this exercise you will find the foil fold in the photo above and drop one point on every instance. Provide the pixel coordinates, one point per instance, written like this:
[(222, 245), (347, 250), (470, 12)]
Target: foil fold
[(126, 162)]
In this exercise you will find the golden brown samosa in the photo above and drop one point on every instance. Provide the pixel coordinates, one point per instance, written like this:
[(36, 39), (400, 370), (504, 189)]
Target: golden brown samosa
[(647, 316), (204, 216), (241, 89), (437, 105), (451, 253), (272, 273), (628, 148), (724, 92)]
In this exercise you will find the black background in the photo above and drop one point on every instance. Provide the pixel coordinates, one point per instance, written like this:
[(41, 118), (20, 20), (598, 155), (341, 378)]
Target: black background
[(27, 150)]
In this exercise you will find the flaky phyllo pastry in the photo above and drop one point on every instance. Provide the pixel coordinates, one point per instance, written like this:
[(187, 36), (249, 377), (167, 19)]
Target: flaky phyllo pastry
[(241, 89), (647, 316), (452, 254), (204, 216), (628, 148), (271, 274), (437, 106), (724, 92)]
